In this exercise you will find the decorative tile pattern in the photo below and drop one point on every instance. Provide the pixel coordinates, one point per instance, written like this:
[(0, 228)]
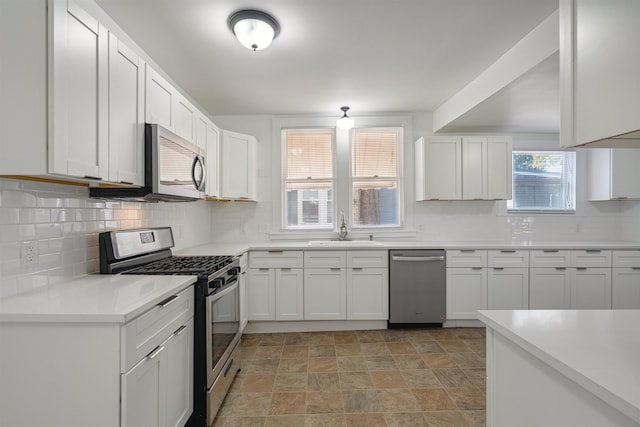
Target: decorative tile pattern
[(419, 377)]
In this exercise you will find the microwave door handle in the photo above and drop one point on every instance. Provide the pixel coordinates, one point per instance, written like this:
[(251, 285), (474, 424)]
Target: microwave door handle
[(199, 185)]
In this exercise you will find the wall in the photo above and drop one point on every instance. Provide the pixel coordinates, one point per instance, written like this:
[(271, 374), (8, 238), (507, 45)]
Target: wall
[(437, 221), (65, 223)]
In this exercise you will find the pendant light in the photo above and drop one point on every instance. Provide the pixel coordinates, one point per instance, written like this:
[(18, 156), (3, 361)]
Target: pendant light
[(345, 122), (254, 29)]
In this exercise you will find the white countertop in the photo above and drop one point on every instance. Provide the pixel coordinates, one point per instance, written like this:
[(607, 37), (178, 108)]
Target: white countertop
[(92, 298), (239, 248), (597, 349)]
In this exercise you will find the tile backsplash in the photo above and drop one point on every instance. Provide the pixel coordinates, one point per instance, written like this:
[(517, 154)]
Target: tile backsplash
[(63, 223)]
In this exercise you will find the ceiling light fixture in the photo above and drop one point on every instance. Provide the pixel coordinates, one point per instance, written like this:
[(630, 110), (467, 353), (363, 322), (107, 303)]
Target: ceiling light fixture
[(254, 29), (345, 122)]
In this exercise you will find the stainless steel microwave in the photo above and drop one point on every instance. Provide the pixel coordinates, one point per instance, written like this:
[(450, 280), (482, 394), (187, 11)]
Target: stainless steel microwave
[(174, 170)]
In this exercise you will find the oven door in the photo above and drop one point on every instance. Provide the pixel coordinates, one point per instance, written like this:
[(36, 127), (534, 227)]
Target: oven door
[(223, 328)]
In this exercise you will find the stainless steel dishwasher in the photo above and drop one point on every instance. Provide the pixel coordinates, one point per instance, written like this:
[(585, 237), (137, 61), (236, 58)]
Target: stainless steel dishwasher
[(417, 287)]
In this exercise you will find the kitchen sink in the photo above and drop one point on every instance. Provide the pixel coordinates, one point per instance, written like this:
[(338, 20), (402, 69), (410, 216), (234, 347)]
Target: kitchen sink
[(343, 243)]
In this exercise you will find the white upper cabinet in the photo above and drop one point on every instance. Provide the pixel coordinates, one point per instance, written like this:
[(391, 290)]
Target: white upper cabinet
[(600, 72), (438, 168), (238, 166), (79, 93), (213, 159), (613, 174), (126, 114), (463, 168), (160, 100), (185, 124)]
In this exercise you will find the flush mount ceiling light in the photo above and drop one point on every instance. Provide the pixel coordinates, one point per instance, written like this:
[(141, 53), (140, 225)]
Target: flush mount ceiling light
[(254, 29), (345, 122)]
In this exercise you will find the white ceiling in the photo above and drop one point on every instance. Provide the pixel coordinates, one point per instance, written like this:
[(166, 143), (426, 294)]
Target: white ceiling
[(377, 56)]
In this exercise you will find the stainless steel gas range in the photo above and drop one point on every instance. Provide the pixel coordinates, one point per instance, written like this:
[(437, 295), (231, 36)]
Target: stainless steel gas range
[(216, 310)]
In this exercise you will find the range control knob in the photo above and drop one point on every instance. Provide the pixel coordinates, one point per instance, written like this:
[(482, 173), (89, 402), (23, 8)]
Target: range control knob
[(234, 271)]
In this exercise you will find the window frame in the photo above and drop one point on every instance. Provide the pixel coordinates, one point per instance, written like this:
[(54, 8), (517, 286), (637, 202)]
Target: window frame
[(341, 197), (569, 211)]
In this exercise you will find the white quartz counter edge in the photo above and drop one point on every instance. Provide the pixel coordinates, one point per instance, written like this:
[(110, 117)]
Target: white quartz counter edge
[(597, 349), (240, 248), (92, 299)]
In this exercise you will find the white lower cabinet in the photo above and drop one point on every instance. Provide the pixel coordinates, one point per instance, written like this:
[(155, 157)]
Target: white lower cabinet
[(367, 285), (466, 292), (549, 288), (242, 291), (590, 288), (625, 288), (325, 291), (158, 390), (261, 290), (508, 288), (289, 290)]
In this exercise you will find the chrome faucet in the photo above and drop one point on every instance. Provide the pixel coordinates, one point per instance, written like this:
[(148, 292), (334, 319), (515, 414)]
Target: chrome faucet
[(343, 228)]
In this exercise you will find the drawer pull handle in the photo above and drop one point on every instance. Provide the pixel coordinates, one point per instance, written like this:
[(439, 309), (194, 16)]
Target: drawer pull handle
[(335, 268), (635, 268), (476, 268), (168, 301), (553, 251), (561, 268), (593, 251), (465, 251), (263, 269), (275, 252), (156, 351), (180, 330), (498, 268), (508, 252), (581, 268), (357, 268), (285, 269)]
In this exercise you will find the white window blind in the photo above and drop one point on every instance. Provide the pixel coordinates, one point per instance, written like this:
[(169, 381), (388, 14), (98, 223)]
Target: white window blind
[(375, 177), (543, 181), (308, 178)]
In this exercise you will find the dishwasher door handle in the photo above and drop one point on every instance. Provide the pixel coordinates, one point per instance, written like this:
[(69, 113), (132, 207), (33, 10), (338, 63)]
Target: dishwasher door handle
[(417, 258)]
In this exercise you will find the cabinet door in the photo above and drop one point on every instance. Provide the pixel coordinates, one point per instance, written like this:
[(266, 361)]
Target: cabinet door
[(289, 294), (185, 124), (466, 292), (600, 69), (179, 381), (474, 164), (79, 93), (142, 395), (126, 114), (261, 294), (160, 100), (625, 288), (499, 168), (549, 288), (367, 293), (590, 288), (508, 289), (443, 173), (325, 292), (213, 160), (238, 166), (625, 178)]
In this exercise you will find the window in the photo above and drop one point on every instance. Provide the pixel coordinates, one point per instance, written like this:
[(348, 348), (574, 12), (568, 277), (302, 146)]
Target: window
[(358, 172), (543, 181), (308, 178), (375, 183)]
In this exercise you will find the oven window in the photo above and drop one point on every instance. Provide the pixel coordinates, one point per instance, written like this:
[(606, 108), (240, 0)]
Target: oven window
[(225, 322)]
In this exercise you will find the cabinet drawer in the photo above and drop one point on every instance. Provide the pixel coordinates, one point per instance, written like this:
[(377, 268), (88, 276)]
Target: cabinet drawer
[(628, 258), (591, 258), (145, 333), (508, 258), (325, 259), (466, 258), (549, 258), (275, 259), (360, 259)]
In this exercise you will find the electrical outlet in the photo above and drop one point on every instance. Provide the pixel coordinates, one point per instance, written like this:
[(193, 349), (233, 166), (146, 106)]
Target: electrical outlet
[(29, 253)]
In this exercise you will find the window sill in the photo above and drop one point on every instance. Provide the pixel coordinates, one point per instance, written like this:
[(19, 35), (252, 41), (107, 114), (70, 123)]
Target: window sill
[(535, 211), (353, 234)]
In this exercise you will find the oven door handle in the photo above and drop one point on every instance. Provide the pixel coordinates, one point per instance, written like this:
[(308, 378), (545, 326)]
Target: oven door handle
[(228, 290)]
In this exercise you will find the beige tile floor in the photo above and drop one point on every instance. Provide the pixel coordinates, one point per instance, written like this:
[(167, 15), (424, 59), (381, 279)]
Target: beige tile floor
[(406, 377)]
